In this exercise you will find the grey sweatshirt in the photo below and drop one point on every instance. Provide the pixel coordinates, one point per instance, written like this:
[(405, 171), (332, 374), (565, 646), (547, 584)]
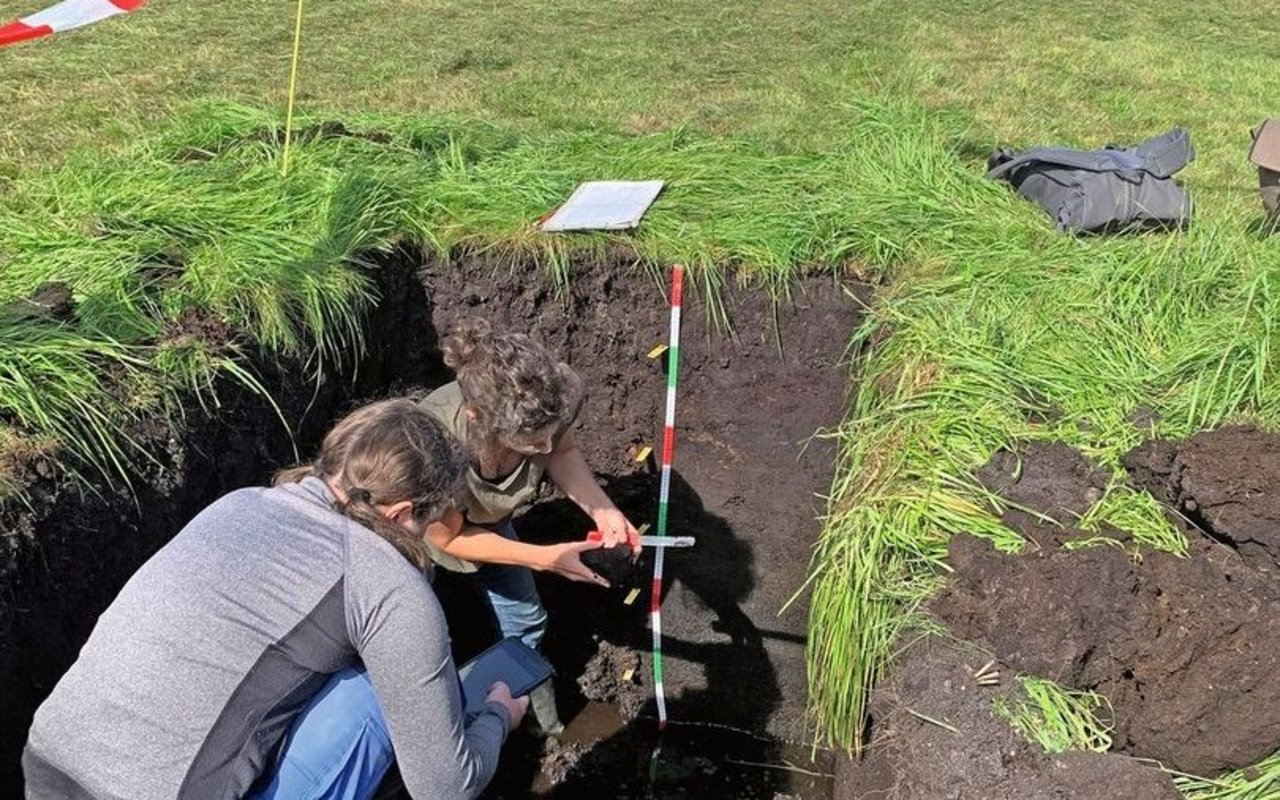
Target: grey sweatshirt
[(193, 675)]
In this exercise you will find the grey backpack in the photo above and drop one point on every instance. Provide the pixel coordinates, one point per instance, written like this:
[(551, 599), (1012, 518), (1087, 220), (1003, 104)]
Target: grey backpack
[(1101, 191)]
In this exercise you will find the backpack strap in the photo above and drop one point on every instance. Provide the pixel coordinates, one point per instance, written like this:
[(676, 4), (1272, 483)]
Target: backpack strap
[(1123, 162)]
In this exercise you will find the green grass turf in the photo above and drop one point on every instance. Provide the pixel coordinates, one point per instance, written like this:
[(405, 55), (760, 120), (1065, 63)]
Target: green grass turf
[(795, 135), (1057, 718), (195, 228), (1259, 782)]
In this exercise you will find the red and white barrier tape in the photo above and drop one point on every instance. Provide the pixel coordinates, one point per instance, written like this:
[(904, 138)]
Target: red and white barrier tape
[(64, 16)]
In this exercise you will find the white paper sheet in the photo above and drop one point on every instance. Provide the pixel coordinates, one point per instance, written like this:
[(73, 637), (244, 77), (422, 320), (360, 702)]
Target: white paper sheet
[(604, 206)]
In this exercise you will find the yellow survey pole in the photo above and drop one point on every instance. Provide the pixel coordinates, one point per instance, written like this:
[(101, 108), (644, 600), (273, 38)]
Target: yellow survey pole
[(293, 84)]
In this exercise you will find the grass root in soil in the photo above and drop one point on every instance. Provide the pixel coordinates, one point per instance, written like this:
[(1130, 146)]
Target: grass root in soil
[(964, 751)]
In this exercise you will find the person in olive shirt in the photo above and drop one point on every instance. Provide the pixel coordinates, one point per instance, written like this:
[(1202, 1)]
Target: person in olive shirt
[(512, 407)]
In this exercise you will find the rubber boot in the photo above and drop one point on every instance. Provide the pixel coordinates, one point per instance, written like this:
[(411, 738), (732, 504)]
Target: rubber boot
[(542, 702)]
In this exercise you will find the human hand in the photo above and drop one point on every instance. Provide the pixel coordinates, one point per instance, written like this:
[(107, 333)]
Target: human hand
[(566, 560), (615, 529), (516, 706)]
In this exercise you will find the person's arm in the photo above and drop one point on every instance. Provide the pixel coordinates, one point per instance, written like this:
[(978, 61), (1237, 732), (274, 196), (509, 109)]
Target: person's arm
[(399, 631), (483, 546), (568, 469)]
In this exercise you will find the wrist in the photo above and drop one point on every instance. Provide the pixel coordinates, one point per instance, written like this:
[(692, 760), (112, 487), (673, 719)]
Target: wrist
[(540, 558), (502, 709)]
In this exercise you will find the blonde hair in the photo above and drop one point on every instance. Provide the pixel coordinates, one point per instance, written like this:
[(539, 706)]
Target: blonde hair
[(514, 385), (385, 453)]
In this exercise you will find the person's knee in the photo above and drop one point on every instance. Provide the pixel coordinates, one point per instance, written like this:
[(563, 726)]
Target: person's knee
[(351, 691)]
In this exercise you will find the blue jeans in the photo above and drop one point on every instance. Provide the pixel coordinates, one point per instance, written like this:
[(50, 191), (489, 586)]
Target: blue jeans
[(514, 598), (339, 747)]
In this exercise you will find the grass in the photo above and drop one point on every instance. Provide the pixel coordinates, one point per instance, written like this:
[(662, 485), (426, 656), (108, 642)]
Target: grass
[(1137, 513), (1259, 782), (1060, 719), (1056, 718), (188, 253), (788, 76), (990, 320), (799, 135)]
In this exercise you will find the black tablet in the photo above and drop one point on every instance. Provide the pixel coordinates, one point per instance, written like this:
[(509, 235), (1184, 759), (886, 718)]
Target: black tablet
[(511, 661)]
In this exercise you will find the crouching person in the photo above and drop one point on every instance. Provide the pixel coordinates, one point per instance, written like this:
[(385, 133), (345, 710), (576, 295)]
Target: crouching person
[(284, 644)]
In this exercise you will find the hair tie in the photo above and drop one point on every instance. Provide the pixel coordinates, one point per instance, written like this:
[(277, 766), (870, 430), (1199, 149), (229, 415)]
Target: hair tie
[(358, 495)]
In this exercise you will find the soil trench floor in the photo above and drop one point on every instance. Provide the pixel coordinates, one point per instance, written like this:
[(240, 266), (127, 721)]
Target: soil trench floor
[(747, 483)]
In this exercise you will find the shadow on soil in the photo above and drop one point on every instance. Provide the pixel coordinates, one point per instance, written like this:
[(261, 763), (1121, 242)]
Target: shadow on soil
[(745, 486), (610, 747)]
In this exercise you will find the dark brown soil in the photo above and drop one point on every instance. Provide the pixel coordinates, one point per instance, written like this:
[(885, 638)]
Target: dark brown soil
[(746, 484), (52, 300), (983, 758), (1226, 482), (1187, 650), (1047, 478)]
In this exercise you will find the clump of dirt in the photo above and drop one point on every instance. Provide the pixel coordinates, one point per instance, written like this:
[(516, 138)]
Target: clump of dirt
[(1186, 649), (1227, 482), (612, 676), (1045, 477), (617, 565), (52, 300), (977, 754), (199, 326)]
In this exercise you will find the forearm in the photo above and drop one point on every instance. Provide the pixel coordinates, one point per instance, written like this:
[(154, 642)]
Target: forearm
[(440, 752), (486, 547)]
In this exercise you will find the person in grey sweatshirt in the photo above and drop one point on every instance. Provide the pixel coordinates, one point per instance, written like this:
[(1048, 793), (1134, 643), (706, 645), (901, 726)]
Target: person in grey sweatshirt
[(270, 647)]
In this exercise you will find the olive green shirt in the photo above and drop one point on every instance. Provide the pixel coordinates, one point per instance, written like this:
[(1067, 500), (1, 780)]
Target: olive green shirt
[(487, 503)]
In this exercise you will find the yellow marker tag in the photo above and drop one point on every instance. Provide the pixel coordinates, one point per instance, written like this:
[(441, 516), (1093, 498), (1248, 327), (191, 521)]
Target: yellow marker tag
[(643, 529), (657, 351), (626, 676), (644, 454), (631, 596)]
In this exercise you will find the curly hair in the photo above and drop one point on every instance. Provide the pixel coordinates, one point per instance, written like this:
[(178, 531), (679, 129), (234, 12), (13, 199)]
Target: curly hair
[(384, 453), (514, 385)]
